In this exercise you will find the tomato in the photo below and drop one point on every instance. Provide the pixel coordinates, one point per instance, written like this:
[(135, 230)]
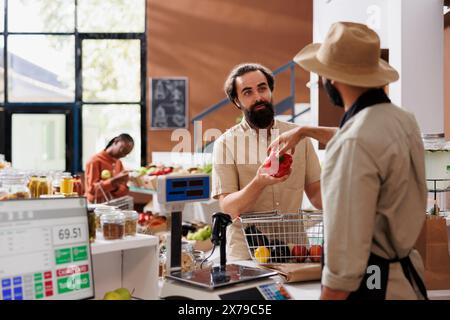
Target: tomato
[(315, 253), (262, 254), (300, 253)]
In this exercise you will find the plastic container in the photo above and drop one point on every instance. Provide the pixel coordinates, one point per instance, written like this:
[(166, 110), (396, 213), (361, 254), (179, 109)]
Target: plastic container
[(113, 225), (131, 219)]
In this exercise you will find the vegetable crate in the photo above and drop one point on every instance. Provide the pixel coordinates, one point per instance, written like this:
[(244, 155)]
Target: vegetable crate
[(274, 237)]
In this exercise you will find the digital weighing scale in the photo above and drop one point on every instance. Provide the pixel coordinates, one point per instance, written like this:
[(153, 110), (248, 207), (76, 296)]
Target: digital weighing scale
[(227, 281)]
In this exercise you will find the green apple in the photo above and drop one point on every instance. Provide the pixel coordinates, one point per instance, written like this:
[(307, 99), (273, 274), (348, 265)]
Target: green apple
[(112, 295), (124, 293), (106, 174)]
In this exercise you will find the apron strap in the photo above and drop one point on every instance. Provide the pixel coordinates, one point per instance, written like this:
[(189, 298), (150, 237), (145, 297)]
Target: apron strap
[(363, 293), (408, 267)]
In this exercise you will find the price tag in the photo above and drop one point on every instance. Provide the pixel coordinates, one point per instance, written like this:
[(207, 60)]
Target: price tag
[(69, 234)]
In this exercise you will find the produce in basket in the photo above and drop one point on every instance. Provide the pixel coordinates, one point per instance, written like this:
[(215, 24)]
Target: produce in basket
[(279, 251), (262, 254), (315, 253), (300, 253), (255, 238)]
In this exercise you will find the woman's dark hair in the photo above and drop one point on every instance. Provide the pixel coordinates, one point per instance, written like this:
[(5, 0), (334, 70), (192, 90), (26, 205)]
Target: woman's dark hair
[(124, 137), (241, 69)]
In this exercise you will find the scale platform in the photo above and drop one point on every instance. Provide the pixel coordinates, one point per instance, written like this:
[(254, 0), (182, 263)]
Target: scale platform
[(236, 283), (213, 278)]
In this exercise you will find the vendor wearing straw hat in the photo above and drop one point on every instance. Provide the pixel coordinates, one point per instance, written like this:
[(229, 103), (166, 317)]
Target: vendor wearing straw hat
[(373, 179)]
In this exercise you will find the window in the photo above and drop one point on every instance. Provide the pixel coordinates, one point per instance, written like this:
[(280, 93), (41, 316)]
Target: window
[(72, 76)]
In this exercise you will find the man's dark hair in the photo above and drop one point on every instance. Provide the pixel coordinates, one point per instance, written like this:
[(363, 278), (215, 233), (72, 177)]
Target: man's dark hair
[(241, 69), (124, 137)]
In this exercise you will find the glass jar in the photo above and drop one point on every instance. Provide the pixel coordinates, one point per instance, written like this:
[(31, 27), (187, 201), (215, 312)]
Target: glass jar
[(162, 272), (131, 219), (56, 180), (200, 262), (66, 185), (77, 185), (92, 225), (43, 186), (33, 186), (14, 186), (113, 225), (99, 211), (187, 257)]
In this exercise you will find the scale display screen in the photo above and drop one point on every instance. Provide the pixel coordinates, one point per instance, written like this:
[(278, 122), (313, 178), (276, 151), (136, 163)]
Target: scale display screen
[(44, 250), (187, 189)]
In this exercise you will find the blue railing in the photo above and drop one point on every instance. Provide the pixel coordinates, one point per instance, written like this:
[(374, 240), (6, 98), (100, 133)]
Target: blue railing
[(280, 108)]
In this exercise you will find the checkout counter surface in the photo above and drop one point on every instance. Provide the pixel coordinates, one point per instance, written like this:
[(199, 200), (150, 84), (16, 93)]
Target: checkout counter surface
[(311, 290)]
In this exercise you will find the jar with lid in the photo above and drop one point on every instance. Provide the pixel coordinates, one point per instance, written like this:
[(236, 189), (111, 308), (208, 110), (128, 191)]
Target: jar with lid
[(43, 186), (187, 257), (99, 211), (66, 184), (14, 186), (77, 185), (33, 183), (131, 219), (113, 225)]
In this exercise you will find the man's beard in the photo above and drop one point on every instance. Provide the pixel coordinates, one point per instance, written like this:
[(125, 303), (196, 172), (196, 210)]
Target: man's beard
[(333, 94), (262, 118)]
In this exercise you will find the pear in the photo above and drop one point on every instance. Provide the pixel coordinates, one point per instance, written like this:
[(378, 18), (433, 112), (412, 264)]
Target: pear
[(124, 293), (112, 295)]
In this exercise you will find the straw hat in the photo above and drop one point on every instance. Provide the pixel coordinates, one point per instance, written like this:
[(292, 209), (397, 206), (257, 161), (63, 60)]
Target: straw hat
[(350, 54)]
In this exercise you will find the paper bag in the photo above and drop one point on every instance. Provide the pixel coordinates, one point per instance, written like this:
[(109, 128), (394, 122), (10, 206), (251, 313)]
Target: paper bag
[(297, 272), (432, 245)]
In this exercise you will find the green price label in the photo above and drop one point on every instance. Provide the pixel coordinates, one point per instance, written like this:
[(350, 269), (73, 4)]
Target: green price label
[(80, 253), (63, 256)]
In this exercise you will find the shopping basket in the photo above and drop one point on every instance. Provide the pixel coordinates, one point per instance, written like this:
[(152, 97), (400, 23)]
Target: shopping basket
[(123, 203), (273, 237)]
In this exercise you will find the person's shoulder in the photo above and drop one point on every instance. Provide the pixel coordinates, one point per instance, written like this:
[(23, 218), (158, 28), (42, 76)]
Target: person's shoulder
[(285, 126), (93, 159), (377, 127), (229, 133)]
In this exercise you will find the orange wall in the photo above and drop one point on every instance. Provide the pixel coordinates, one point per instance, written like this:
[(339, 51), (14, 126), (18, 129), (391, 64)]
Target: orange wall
[(204, 39)]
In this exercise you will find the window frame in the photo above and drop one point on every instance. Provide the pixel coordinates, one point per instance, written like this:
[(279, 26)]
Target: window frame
[(73, 110)]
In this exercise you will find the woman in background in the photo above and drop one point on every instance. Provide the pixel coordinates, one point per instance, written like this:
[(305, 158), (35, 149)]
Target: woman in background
[(104, 171)]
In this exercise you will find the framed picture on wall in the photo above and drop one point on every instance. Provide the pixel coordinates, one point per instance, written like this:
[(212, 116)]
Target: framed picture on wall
[(168, 103)]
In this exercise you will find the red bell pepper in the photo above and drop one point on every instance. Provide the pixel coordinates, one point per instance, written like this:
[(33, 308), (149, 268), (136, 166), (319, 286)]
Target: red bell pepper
[(278, 166)]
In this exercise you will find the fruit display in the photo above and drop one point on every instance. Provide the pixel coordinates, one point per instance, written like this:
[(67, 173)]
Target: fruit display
[(201, 234), (315, 253), (149, 223), (278, 166), (118, 294), (255, 238)]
